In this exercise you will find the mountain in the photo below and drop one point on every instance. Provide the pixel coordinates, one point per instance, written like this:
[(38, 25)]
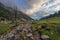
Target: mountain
[(10, 13), (56, 14), (49, 25), (52, 18)]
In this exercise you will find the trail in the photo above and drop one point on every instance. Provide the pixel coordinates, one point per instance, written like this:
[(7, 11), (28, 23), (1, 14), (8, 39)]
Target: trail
[(24, 32)]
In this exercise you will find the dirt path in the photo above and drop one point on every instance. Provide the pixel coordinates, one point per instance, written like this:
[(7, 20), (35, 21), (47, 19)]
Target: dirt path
[(24, 32)]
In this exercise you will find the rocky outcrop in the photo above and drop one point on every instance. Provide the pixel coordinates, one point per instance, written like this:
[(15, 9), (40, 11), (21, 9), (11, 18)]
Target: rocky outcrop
[(25, 32)]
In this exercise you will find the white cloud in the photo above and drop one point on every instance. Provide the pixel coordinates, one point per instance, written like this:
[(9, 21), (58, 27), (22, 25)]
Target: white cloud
[(37, 8), (36, 4)]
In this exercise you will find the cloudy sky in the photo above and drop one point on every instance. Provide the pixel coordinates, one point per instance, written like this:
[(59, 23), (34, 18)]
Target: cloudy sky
[(35, 8)]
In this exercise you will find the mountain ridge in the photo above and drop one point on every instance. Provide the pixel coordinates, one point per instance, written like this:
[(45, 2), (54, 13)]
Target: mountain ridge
[(56, 14)]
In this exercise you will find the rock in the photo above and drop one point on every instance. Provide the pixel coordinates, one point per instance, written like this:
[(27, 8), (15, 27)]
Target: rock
[(45, 37), (29, 34), (21, 33)]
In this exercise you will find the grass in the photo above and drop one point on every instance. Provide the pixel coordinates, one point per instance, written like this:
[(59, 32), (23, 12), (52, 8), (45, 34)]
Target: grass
[(4, 27), (52, 24), (51, 33), (50, 20)]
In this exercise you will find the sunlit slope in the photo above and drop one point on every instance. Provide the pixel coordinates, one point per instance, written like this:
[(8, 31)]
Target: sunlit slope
[(50, 20)]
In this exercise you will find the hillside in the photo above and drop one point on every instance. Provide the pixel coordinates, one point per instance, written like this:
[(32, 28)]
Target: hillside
[(50, 26), (53, 18), (9, 13), (8, 16)]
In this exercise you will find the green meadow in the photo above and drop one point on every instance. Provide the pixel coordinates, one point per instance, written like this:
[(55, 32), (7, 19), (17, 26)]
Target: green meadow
[(53, 24), (4, 27)]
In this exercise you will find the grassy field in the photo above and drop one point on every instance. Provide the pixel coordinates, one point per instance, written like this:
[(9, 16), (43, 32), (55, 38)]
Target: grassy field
[(50, 20), (4, 27), (54, 27)]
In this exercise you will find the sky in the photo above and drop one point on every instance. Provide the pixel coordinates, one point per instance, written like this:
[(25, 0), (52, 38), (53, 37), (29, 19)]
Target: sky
[(36, 9)]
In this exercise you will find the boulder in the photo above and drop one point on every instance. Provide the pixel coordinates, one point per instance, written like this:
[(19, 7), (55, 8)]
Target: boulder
[(45, 37)]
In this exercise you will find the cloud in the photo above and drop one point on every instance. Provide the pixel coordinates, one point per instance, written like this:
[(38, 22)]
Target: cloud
[(47, 6), (35, 8), (36, 4)]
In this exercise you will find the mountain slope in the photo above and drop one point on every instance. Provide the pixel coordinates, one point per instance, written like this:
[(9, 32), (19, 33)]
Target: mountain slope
[(9, 13), (53, 18), (49, 25)]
